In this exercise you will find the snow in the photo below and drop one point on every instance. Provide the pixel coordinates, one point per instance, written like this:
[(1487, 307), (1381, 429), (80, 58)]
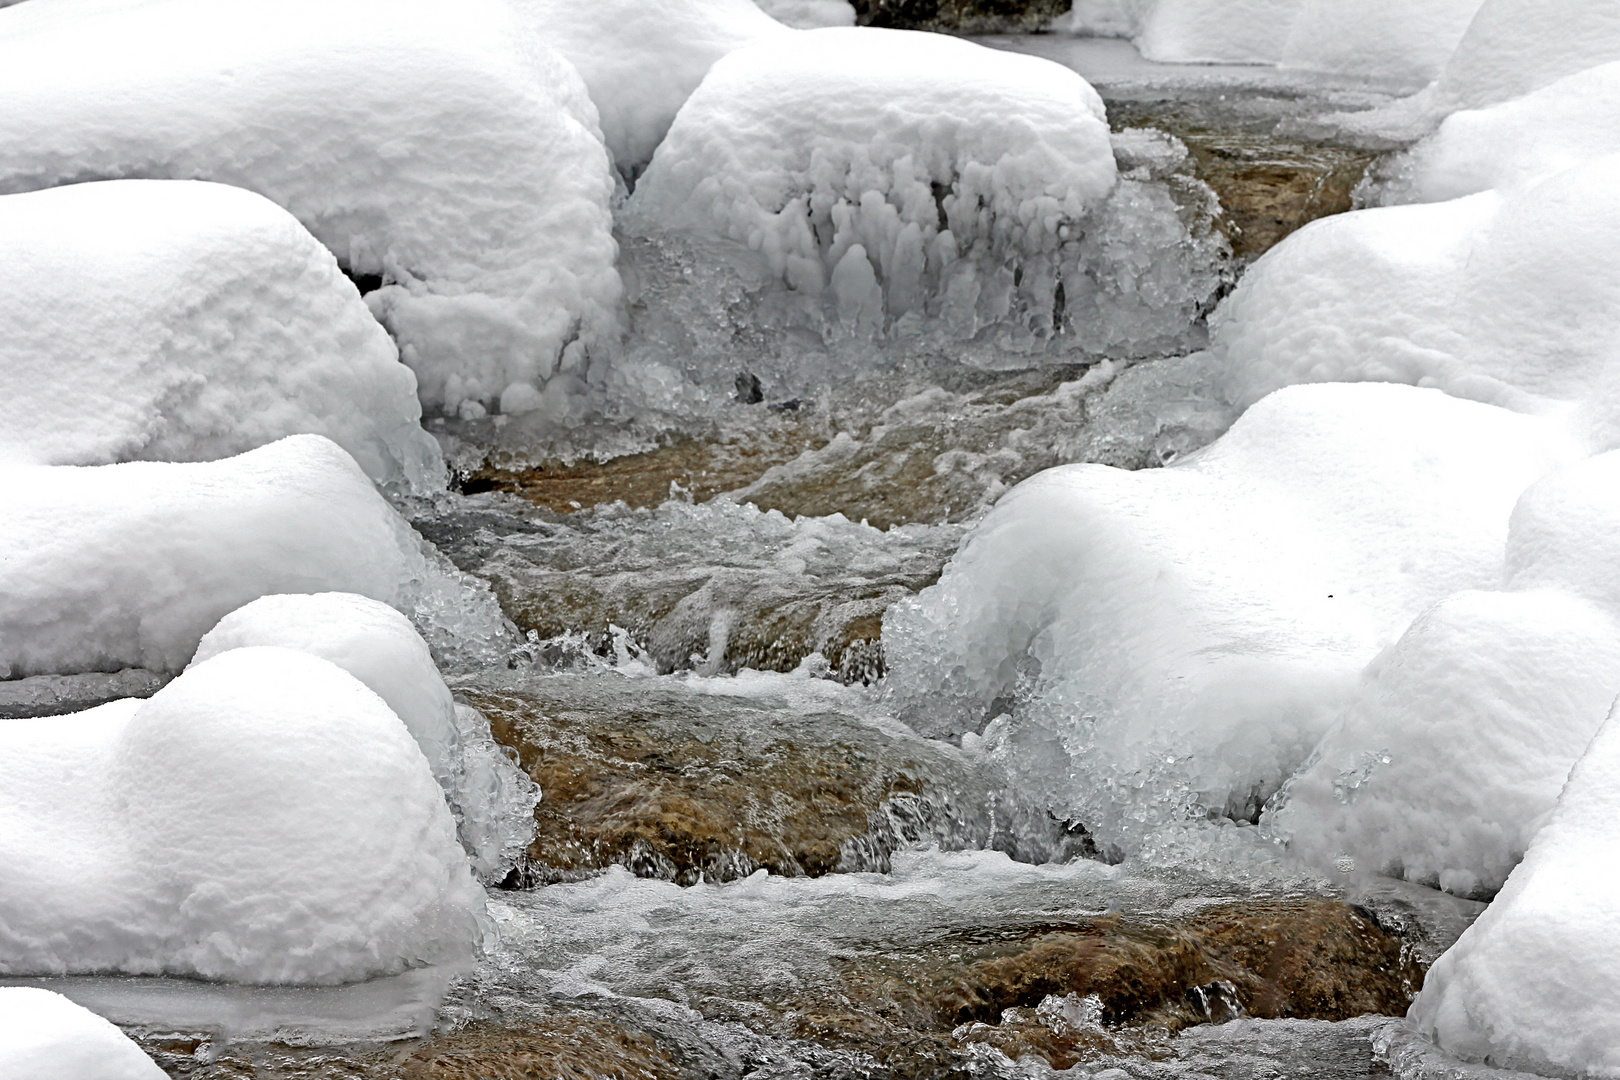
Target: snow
[(184, 321), (114, 566), (810, 14), (441, 147), (1515, 46), (1532, 984), (890, 173), (264, 818), (44, 1036), (1175, 641)]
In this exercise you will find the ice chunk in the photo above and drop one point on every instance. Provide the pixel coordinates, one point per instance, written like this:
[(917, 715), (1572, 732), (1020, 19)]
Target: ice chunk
[(44, 1036), (1515, 46), (182, 321), (1533, 984), (114, 566), (1175, 641), (439, 150), (264, 818)]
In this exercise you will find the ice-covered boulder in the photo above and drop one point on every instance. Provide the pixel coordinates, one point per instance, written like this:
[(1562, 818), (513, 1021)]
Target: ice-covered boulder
[(1176, 641), (113, 566), (1515, 46), (889, 173), (438, 148), (264, 818), (184, 321), (1534, 983), (44, 1036)]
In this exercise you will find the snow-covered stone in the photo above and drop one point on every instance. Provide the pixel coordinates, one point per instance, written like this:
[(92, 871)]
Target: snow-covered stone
[(44, 1036), (184, 321), (1515, 46), (888, 173), (439, 147), (1176, 641), (1534, 983)]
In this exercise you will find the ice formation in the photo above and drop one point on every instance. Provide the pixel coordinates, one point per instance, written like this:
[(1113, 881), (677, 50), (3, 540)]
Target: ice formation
[(492, 799), (1176, 641), (264, 818), (1533, 983), (44, 1036), (184, 321), (113, 566), (440, 149), (1515, 46), (892, 175), (641, 61)]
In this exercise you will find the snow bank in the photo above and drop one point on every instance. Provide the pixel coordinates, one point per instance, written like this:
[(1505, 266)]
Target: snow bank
[(810, 14), (115, 566), (439, 147), (44, 1036), (1176, 641), (641, 61), (264, 818), (1515, 46), (891, 173), (1534, 984), (178, 321)]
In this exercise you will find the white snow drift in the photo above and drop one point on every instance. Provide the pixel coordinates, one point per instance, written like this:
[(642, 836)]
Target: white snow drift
[(890, 173), (1515, 46), (44, 1036), (181, 321), (264, 818), (1175, 641), (440, 147)]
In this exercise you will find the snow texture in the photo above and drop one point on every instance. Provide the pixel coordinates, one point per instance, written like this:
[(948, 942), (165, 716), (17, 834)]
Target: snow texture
[(810, 14), (114, 566), (1515, 46), (1534, 984), (891, 174), (44, 1036), (184, 321), (440, 148), (1173, 642), (264, 818)]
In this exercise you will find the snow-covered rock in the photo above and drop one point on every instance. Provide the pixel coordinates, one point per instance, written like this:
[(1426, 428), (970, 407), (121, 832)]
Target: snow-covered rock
[(889, 173), (1534, 983), (44, 1036), (113, 566), (439, 147), (1175, 641), (810, 14), (184, 321), (1515, 46), (264, 818)]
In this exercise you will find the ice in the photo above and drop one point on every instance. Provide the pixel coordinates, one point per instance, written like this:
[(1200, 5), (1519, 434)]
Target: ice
[(44, 1036), (184, 321), (441, 152), (115, 566), (810, 14), (1149, 646), (264, 818), (1532, 984)]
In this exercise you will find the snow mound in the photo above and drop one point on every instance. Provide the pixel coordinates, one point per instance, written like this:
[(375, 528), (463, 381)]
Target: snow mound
[(1515, 46), (1534, 984), (264, 818), (114, 566), (810, 14), (641, 61), (891, 174), (493, 801), (44, 1036), (179, 321), (438, 148), (1154, 645)]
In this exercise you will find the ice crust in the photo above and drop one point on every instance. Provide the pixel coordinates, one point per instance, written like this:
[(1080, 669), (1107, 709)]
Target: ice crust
[(44, 1036), (264, 818), (184, 321), (1147, 646), (115, 566), (442, 149)]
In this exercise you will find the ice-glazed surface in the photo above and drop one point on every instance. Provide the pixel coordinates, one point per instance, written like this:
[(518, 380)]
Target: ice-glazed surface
[(443, 151), (263, 818), (1173, 642), (114, 566), (1515, 46), (44, 1036), (641, 61), (182, 321), (1532, 984)]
